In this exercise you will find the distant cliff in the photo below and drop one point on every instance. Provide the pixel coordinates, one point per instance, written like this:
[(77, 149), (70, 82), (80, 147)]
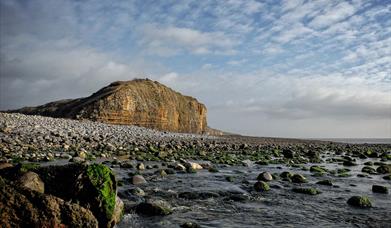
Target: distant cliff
[(140, 102)]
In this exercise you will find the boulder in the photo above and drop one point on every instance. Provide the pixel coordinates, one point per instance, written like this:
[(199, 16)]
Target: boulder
[(298, 178), (265, 176), (360, 201), (308, 191), (31, 181), (154, 207), (379, 189), (22, 207), (138, 179), (261, 186)]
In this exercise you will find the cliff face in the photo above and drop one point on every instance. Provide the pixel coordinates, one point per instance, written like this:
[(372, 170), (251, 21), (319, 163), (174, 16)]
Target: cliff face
[(140, 102)]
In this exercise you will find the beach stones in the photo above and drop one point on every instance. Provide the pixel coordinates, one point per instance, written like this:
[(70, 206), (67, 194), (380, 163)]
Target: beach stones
[(308, 191), (384, 169), (298, 178), (261, 186), (138, 179), (379, 189), (325, 182), (265, 176), (154, 207), (360, 201)]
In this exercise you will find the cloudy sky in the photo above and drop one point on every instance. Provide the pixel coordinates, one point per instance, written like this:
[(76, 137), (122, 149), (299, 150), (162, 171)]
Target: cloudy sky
[(291, 68)]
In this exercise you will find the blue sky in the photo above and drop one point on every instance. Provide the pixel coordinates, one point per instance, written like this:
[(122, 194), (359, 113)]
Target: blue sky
[(270, 68)]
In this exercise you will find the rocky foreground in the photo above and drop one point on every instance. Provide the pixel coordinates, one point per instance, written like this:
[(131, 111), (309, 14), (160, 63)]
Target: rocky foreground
[(168, 179)]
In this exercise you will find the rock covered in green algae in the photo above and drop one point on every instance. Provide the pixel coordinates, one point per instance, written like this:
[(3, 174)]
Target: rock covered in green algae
[(308, 191), (360, 201), (261, 186), (317, 169), (379, 189), (154, 207), (368, 169), (298, 178)]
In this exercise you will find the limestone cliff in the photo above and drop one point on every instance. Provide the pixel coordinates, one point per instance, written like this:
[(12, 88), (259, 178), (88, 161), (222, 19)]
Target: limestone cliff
[(140, 102)]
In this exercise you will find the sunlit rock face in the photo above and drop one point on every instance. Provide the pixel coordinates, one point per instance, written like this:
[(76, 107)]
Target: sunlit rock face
[(140, 102)]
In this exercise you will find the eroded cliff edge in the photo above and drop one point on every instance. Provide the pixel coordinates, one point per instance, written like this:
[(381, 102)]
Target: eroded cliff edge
[(140, 102)]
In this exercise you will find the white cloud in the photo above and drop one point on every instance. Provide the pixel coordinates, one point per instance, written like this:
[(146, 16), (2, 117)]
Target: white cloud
[(332, 15), (185, 38)]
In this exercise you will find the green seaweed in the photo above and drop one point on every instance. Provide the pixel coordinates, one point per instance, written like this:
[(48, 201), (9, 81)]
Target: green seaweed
[(101, 178)]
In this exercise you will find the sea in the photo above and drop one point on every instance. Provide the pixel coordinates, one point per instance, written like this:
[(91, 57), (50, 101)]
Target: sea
[(359, 140)]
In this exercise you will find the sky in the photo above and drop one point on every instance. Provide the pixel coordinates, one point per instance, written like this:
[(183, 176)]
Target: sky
[(292, 68)]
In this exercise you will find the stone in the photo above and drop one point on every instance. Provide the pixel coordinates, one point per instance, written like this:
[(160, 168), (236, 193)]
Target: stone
[(77, 160), (325, 182), (180, 167), (190, 225), (265, 176), (261, 186), (140, 102), (317, 169), (349, 163), (194, 165), (140, 166), (213, 170), (368, 169), (379, 189), (384, 169), (154, 208), (31, 181), (27, 208), (138, 192), (298, 178), (138, 179), (288, 153), (360, 201), (308, 191)]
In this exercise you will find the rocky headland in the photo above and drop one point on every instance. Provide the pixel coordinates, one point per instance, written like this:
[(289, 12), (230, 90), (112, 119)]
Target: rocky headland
[(140, 102)]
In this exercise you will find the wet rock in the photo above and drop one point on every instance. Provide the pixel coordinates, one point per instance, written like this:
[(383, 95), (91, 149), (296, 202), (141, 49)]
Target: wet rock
[(191, 170), (379, 189), (190, 225), (31, 181), (317, 169), (261, 186), (286, 175), (308, 191), (138, 192), (360, 201), (27, 208), (154, 207), (384, 169), (140, 166), (288, 153), (368, 169), (230, 178), (213, 170), (298, 178), (138, 179), (387, 177), (180, 167), (349, 163), (265, 176), (194, 165), (325, 182)]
